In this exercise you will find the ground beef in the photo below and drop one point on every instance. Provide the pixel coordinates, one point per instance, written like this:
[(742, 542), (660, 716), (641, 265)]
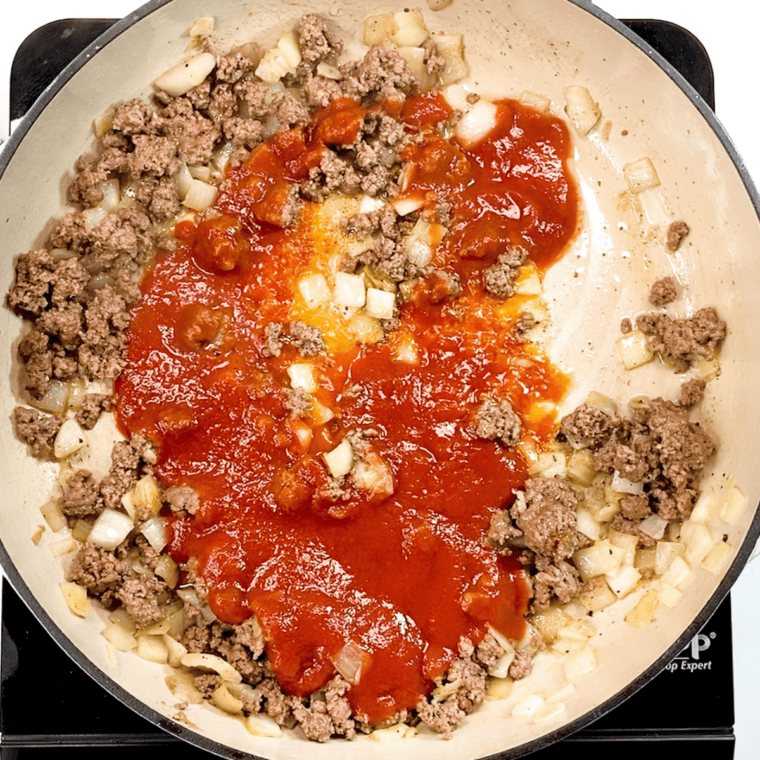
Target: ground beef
[(675, 235), (307, 340), (141, 596), (298, 402), (663, 292), (692, 392), (326, 713), (81, 495), (36, 430), (680, 340), (497, 421), (93, 406), (554, 582), (521, 666), (631, 463), (100, 572), (382, 73), (181, 499), (125, 470), (547, 517), (499, 279), (586, 427), (273, 339), (317, 44), (470, 677)]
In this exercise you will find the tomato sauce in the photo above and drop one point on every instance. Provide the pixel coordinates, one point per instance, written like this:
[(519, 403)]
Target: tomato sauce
[(399, 573)]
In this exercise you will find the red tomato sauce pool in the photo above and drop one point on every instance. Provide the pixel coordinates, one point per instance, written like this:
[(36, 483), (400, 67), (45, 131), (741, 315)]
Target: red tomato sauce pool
[(401, 573)]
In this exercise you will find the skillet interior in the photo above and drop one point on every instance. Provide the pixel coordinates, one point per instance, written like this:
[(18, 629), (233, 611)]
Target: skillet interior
[(516, 46)]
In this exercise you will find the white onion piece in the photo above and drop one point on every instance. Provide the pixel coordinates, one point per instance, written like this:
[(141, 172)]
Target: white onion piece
[(200, 195), (314, 289), (111, 194), (77, 392), (55, 398), (378, 28), (528, 706), (202, 27), (451, 48), (351, 661), (349, 290), (302, 376), (369, 204), (582, 110), (580, 663), (76, 598), (410, 28), (290, 48), (623, 485), (340, 460), (93, 217), (69, 440), (633, 350), (110, 529), (641, 175), (328, 71), (154, 531), (212, 662), (405, 206), (475, 125), (185, 75), (380, 303), (624, 580), (654, 526)]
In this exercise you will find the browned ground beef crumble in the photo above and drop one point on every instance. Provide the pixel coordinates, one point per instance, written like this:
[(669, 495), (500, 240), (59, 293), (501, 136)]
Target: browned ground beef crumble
[(76, 298)]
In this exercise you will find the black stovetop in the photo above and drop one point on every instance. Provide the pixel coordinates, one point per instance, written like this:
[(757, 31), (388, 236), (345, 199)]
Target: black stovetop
[(46, 702)]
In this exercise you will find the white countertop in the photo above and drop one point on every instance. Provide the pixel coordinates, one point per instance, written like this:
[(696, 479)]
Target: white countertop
[(731, 40)]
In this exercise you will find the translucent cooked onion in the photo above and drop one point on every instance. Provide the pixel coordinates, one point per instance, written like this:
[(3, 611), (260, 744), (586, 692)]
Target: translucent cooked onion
[(110, 529), (55, 398), (351, 661), (154, 531)]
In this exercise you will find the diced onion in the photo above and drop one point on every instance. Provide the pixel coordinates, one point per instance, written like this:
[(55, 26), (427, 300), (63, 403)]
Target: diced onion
[(200, 195), (582, 110), (202, 27), (476, 123), (731, 504), (415, 59), (53, 515), (290, 48), (340, 460), (643, 613), (69, 440), (410, 28), (55, 398), (668, 595), (328, 71), (405, 206), (110, 529), (64, 546), (539, 102), (212, 662), (665, 553), (595, 560), (365, 329), (351, 661), (222, 698), (705, 508), (380, 303), (451, 48), (654, 526), (314, 289), (549, 464), (633, 350), (641, 175), (152, 648), (699, 540), (623, 485), (111, 194), (587, 525), (146, 495), (76, 598), (349, 290), (528, 706), (393, 733), (580, 663), (378, 28), (302, 376), (175, 650), (155, 531), (182, 77), (406, 351), (677, 573), (715, 558), (117, 635)]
